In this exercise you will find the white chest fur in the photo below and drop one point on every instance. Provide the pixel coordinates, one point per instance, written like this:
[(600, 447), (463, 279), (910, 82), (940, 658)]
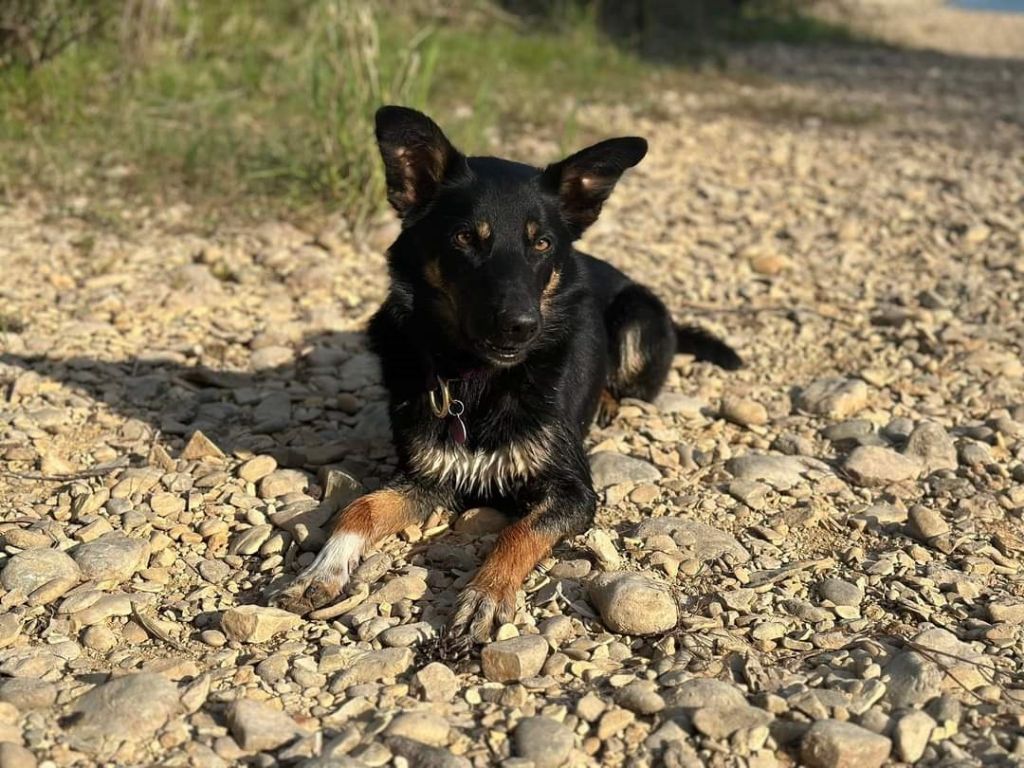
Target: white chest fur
[(478, 471)]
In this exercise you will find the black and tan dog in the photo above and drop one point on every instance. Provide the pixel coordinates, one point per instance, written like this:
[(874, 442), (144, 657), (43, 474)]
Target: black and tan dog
[(497, 341)]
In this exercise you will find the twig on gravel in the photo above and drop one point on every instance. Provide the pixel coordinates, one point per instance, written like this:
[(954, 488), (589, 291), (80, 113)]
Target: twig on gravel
[(149, 624), (764, 578), (103, 469), (357, 597), (931, 653)]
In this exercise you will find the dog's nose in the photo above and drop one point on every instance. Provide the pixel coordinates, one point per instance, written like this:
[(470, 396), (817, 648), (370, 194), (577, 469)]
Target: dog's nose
[(517, 326)]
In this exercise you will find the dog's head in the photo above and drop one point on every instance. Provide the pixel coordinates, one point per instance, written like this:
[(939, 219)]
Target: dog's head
[(484, 241)]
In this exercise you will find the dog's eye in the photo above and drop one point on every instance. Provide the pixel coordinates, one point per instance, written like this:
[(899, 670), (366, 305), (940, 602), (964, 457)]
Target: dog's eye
[(542, 245), (463, 238)]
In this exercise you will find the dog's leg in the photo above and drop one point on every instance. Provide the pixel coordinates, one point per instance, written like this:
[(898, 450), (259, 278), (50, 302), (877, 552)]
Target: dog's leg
[(362, 523), (560, 509), (607, 409)]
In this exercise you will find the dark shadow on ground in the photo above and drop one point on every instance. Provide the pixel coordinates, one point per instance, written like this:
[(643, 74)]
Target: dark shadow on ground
[(325, 408)]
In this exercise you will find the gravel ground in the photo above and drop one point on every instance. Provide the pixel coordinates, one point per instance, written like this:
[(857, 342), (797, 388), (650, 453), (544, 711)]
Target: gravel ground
[(815, 561)]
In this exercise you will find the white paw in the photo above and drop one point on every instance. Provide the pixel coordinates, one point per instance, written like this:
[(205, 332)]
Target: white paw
[(325, 578)]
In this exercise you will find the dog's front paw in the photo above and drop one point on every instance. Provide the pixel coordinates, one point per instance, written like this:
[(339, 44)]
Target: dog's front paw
[(479, 609), (323, 581)]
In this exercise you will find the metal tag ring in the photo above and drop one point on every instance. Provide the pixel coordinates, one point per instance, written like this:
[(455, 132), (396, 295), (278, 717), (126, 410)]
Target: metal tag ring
[(440, 411)]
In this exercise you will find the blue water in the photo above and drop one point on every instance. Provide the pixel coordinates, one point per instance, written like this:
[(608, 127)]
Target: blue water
[(1006, 6)]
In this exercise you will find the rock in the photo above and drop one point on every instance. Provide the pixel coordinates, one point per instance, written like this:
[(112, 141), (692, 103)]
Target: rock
[(424, 727), (780, 472), (750, 492), (840, 592), (721, 723), (407, 635), (419, 755), (25, 538), (340, 488), (256, 468), (834, 398), (16, 756), (947, 711), (590, 707), (881, 515), (256, 623), (601, 546), (613, 722), (974, 454), (670, 735), (836, 744), (140, 480), (28, 694), (131, 708), (931, 447), (873, 465), (610, 468), (685, 406), (743, 412), (199, 446), (360, 371), (966, 667), (480, 521), (31, 569), (514, 659), (793, 445), (546, 742), (99, 638), (10, 628), (911, 734), (925, 523), (273, 356), (167, 504), (1006, 610), (436, 682), (249, 541), (700, 541), (258, 727), (851, 430), (373, 666), (281, 482), (633, 604), (702, 692), (913, 680), (112, 558), (406, 587), (640, 697)]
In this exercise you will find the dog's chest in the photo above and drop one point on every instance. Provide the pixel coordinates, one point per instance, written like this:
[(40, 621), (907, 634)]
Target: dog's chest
[(496, 469)]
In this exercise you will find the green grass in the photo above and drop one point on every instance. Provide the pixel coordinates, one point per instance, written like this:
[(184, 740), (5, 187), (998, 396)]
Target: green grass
[(245, 108), (249, 108)]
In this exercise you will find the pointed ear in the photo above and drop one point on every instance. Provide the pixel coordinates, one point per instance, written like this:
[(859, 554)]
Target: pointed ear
[(583, 181), (417, 157)]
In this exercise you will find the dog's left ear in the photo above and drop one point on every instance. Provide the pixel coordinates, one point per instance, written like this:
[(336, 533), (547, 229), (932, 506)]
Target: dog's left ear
[(417, 157), (584, 180)]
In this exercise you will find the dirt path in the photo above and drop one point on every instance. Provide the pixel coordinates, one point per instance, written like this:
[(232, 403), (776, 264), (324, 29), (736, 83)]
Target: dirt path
[(838, 526)]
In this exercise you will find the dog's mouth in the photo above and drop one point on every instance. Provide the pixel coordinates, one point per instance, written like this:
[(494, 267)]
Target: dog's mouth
[(503, 355)]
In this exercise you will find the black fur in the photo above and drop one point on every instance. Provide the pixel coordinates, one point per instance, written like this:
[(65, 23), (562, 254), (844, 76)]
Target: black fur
[(489, 294)]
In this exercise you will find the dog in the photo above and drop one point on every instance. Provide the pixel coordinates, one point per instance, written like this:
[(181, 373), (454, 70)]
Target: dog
[(498, 342)]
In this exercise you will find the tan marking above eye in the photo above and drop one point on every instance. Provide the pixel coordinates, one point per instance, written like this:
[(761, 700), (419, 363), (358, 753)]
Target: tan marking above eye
[(532, 228), (483, 229)]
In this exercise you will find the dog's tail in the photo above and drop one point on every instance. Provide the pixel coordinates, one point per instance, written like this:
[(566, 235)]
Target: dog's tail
[(691, 340)]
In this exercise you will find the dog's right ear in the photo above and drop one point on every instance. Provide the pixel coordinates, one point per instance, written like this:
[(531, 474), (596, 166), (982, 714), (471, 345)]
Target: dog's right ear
[(417, 157)]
